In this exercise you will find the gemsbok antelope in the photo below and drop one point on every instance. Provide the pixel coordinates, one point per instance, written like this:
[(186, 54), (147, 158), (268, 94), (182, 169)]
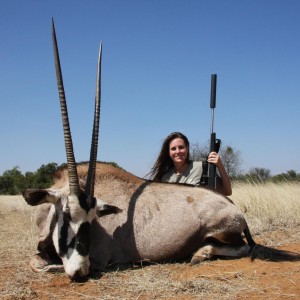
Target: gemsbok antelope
[(96, 214)]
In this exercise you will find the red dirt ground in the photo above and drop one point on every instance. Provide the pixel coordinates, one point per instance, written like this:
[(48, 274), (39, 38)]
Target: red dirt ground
[(260, 279)]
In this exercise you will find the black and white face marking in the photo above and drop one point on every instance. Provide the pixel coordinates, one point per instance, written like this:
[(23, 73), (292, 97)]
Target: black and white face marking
[(65, 224), (72, 232)]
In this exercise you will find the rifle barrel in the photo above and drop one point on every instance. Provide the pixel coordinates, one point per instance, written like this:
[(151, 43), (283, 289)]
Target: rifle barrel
[(213, 90)]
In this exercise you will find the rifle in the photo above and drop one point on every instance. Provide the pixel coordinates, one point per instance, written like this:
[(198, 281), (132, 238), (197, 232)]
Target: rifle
[(209, 177)]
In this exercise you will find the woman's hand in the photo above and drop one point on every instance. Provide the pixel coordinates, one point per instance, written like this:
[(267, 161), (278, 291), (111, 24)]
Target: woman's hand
[(225, 185), (215, 159)]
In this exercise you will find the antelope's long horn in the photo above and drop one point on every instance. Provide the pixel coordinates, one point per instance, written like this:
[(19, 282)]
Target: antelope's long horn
[(73, 176), (90, 182)]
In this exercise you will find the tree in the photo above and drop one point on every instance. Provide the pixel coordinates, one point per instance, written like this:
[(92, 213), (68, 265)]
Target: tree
[(230, 157), (259, 174), (29, 179), (198, 153), (292, 174), (43, 177), (12, 182), (6, 185)]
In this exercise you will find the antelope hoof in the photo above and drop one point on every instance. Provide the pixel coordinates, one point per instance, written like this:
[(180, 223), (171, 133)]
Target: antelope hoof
[(42, 262), (202, 254)]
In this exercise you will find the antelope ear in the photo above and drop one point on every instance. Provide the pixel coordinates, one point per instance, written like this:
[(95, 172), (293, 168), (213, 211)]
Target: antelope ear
[(104, 209), (36, 197)]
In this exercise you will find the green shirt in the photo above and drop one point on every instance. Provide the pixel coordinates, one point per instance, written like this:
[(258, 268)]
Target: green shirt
[(191, 175)]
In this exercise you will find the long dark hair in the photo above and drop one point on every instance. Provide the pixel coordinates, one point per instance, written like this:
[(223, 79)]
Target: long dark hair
[(164, 162)]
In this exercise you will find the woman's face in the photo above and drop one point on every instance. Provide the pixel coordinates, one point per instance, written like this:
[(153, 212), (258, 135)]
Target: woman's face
[(178, 151)]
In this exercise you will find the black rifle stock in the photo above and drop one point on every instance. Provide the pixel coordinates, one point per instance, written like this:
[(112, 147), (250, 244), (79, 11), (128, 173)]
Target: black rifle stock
[(214, 143)]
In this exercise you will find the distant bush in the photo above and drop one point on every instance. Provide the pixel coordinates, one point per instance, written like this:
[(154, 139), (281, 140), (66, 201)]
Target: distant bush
[(13, 182), (261, 175)]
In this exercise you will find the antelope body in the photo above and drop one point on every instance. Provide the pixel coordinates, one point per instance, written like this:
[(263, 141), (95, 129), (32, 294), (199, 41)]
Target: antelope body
[(97, 214), (154, 222)]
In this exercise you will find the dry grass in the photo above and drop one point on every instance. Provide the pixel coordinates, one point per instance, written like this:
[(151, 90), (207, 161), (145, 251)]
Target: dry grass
[(266, 207)]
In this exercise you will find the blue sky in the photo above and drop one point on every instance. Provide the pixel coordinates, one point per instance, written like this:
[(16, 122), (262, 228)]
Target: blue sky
[(158, 57)]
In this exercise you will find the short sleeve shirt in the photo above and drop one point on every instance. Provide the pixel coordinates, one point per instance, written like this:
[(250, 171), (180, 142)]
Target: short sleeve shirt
[(191, 175)]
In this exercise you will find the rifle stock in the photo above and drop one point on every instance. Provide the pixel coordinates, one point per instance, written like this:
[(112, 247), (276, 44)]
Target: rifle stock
[(212, 179)]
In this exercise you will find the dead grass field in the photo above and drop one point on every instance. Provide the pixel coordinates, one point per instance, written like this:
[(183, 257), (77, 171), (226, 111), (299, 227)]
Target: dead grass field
[(273, 215)]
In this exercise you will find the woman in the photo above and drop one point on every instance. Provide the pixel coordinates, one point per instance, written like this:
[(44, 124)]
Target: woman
[(174, 165)]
